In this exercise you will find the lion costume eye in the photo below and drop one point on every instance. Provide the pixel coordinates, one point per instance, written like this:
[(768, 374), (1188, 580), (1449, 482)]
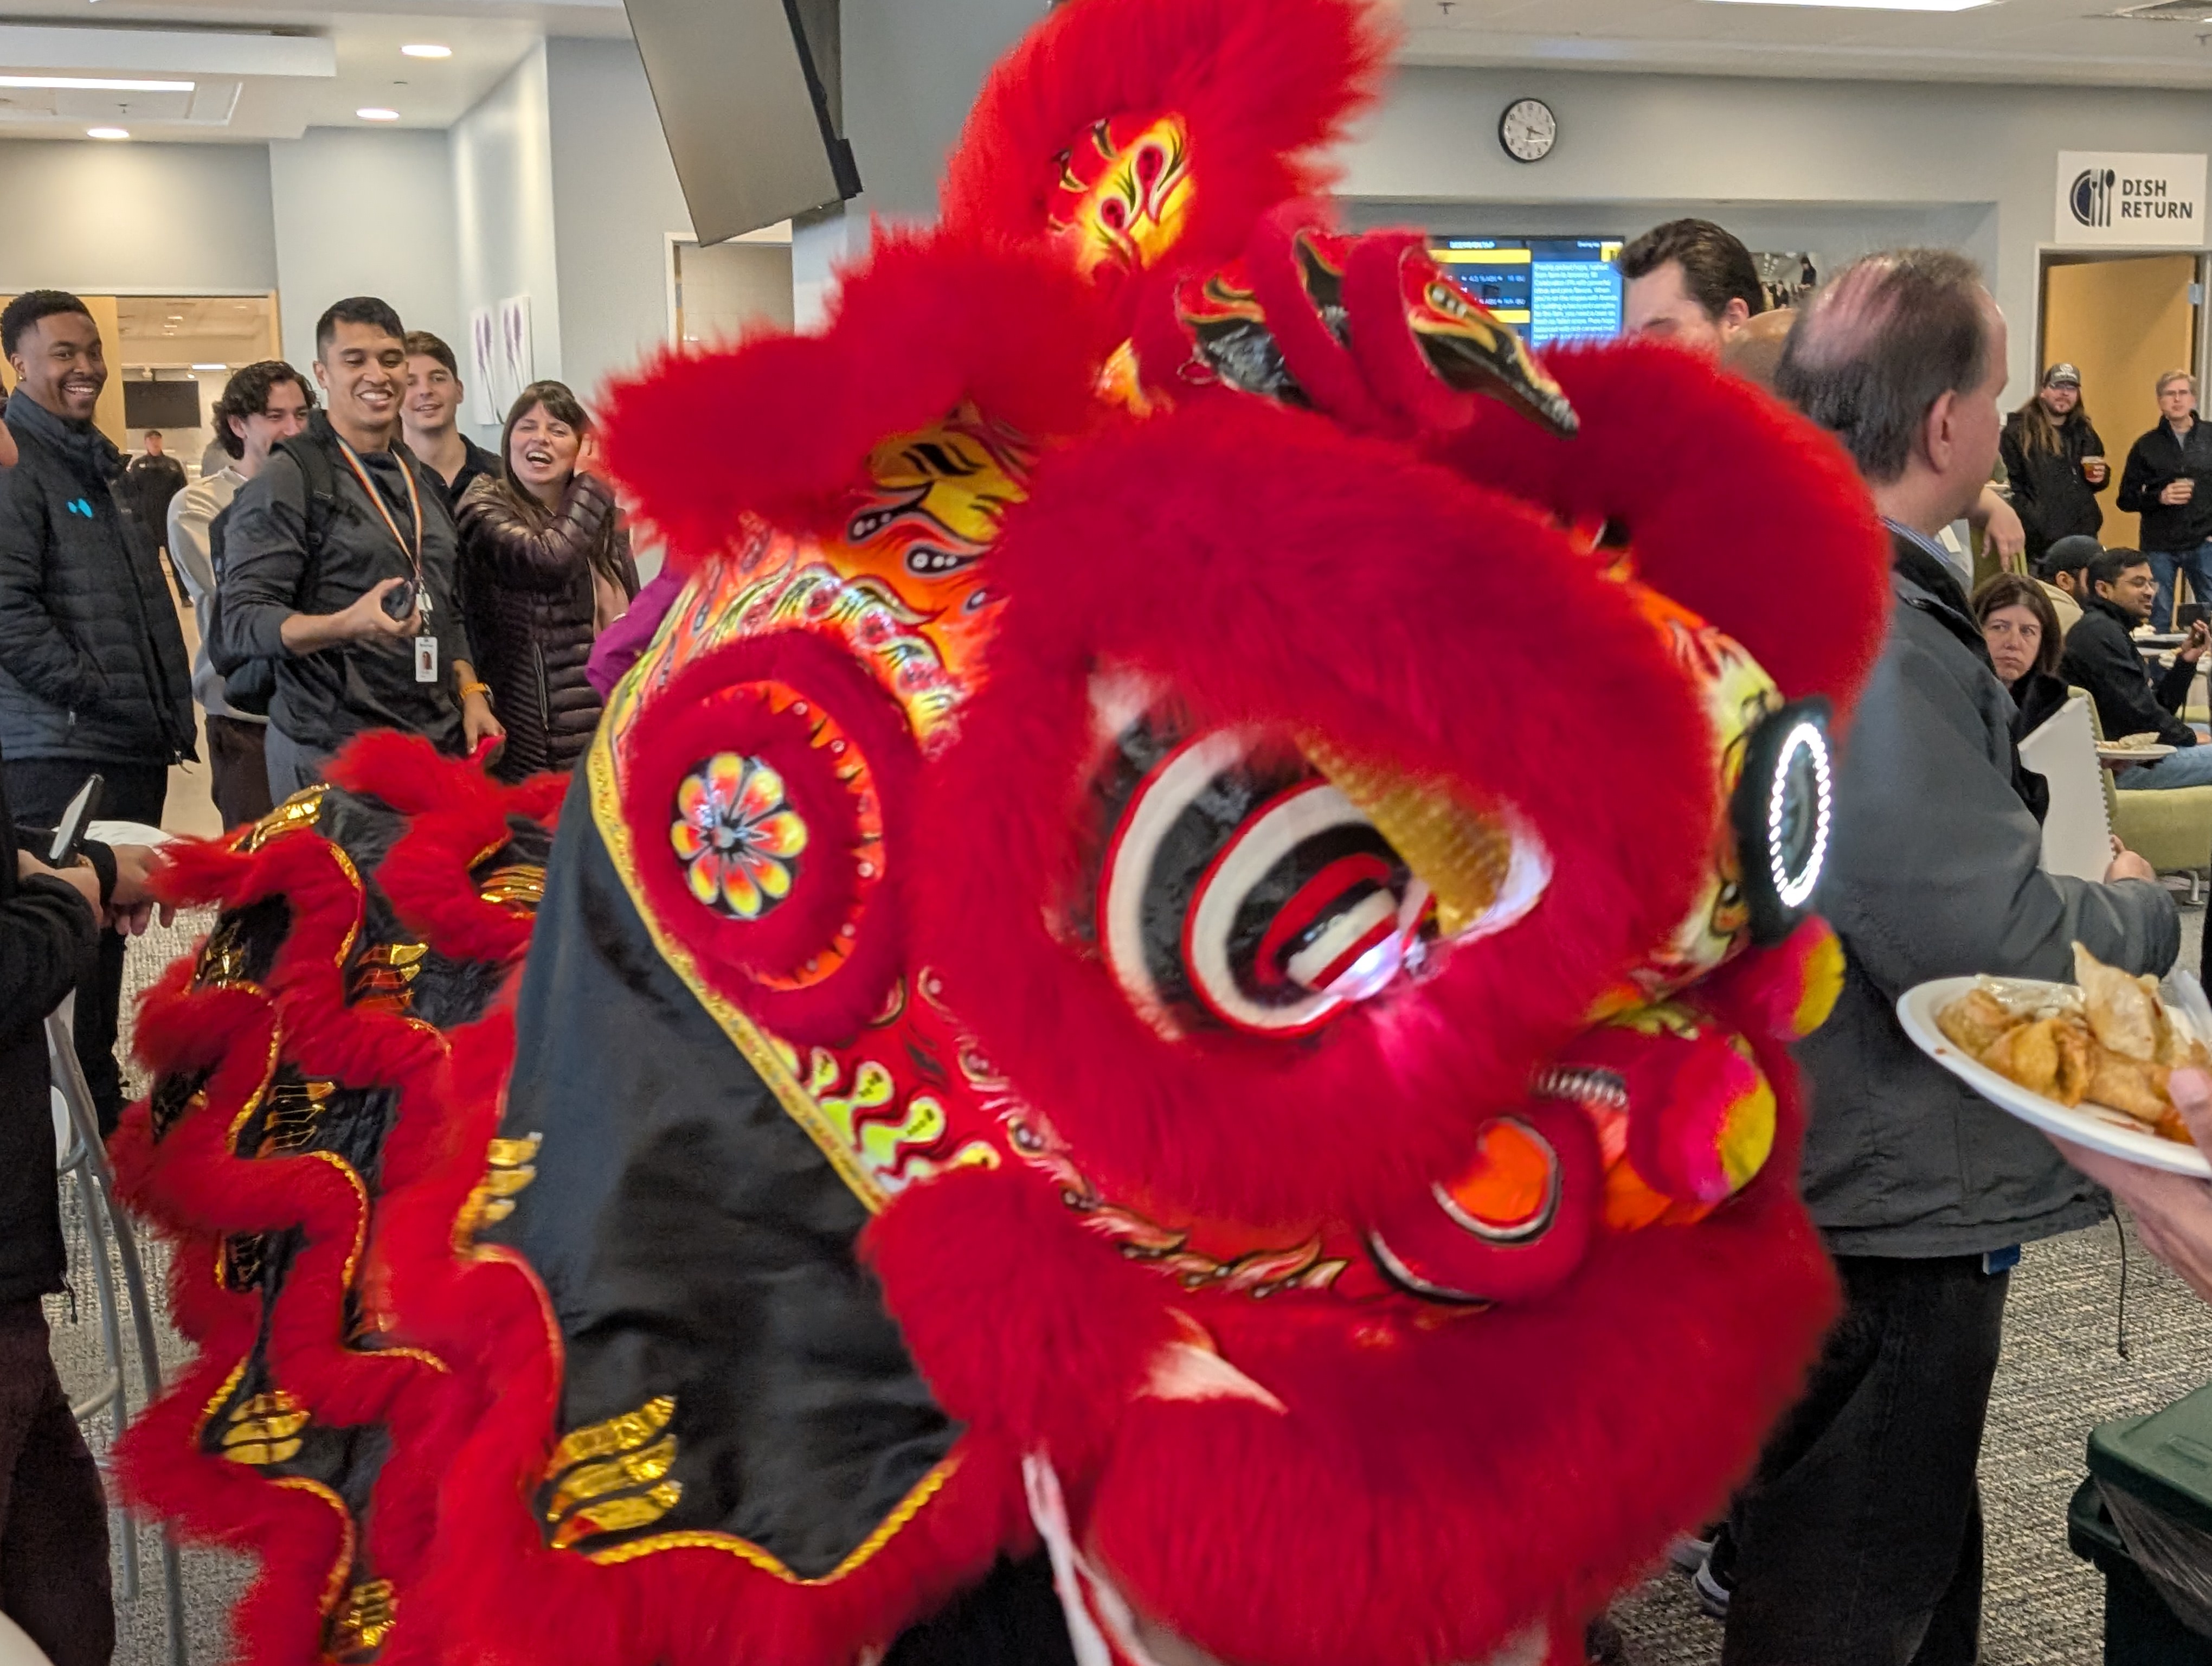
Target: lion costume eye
[(1248, 889), (1243, 887), (1781, 814)]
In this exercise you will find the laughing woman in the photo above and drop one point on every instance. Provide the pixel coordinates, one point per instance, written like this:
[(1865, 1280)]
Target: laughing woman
[(544, 564)]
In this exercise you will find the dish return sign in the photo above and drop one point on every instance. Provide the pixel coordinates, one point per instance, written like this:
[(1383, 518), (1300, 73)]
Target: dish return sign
[(2130, 199)]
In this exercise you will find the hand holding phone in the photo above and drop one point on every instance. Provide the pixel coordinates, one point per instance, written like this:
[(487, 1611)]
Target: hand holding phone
[(69, 832)]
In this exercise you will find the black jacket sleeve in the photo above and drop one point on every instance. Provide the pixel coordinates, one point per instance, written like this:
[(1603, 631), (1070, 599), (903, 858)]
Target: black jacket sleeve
[(2023, 503), (45, 934), (264, 554), (2139, 487), (2101, 659), (2174, 682)]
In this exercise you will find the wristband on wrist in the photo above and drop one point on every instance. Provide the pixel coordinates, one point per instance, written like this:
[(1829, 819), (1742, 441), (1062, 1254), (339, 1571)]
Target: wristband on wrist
[(478, 687)]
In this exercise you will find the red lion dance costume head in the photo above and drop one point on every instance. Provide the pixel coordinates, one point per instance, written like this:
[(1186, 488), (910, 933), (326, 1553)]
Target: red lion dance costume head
[(1169, 983)]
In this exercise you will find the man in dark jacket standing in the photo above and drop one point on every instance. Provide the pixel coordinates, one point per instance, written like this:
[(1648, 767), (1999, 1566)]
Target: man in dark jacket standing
[(2056, 464), (2168, 482), (2101, 657), (357, 599), (1860, 1539), (93, 671), (149, 483)]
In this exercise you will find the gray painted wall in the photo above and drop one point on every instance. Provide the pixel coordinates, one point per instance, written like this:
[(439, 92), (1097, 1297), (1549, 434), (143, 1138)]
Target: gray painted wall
[(911, 69), (614, 200), (159, 219), (328, 244), (503, 211), (1859, 162)]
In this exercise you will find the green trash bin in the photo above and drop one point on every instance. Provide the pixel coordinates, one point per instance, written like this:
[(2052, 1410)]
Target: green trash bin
[(2144, 1519)]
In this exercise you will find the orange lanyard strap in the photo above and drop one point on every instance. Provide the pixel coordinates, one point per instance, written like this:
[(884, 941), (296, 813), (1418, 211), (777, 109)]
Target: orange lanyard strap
[(412, 552)]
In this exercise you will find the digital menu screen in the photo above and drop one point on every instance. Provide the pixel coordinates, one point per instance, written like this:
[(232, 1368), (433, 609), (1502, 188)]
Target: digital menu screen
[(1548, 288)]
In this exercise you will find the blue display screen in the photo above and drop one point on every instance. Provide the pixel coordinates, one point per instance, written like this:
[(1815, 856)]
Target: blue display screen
[(1548, 288)]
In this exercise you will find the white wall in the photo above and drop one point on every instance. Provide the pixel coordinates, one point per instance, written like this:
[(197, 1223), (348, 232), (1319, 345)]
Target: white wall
[(1861, 163), (911, 70), (504, 211), (161, 219), (615, 199), (360, 212)]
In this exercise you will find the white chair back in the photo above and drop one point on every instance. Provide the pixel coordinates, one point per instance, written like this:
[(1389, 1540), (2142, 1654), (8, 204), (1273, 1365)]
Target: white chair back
[(2077, 834), (17, 1650)]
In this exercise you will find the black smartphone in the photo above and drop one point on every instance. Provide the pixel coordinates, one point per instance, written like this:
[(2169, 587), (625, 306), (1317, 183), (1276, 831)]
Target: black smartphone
[(399, 600), (2190, 613), (68, 833)]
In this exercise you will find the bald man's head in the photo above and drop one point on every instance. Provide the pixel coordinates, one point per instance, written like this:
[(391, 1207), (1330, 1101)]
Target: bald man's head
[(1875, 350)]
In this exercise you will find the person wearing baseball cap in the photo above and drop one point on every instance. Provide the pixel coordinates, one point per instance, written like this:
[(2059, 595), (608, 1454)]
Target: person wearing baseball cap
[(2056, 463)]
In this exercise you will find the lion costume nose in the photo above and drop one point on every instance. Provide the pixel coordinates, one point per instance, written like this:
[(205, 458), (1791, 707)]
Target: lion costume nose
[(1511, 1225)]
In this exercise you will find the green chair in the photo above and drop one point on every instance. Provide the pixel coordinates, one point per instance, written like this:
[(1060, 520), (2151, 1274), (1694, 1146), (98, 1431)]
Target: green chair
[(2172, 831)]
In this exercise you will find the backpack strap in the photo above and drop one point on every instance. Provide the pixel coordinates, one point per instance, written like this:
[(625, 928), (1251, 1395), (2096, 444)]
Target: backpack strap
[(321, 480)]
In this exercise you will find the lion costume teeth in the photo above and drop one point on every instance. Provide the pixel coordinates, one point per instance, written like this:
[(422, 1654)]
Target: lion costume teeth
[(1100, 1006)]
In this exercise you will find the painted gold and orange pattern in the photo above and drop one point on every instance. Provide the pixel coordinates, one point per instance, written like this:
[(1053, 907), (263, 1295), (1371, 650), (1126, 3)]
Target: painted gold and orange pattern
[(904, 590), (1124, 192)]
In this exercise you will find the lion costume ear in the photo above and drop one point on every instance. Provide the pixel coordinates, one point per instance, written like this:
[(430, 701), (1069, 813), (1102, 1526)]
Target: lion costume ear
[(1242, 98), (778, 427)]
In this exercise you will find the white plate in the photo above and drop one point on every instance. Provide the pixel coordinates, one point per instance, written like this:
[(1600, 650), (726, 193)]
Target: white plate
[(2089, 1125), (2135, 754)]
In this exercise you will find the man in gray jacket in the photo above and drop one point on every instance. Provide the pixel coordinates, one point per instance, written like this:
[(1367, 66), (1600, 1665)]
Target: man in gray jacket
[(1861, 1540)]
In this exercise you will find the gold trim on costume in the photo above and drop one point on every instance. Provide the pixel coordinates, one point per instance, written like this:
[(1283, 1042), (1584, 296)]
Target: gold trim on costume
[(264, 1430), (751, 1042), (361, 1221), (367, 1619), (268, 1075), (292, 1112), (746, 1550), (303, 809), (343, 1565), (519, 885), (222, 1394), (384, 975), (509, 1168)]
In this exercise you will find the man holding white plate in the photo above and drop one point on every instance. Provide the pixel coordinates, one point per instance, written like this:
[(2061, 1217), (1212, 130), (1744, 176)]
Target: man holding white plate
[(1861, 1539)]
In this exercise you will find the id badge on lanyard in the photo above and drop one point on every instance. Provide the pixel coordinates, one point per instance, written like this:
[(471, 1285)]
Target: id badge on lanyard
[(426, 645)]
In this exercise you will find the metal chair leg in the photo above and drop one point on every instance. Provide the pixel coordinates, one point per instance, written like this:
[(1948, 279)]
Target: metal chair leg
[(96, 1181)]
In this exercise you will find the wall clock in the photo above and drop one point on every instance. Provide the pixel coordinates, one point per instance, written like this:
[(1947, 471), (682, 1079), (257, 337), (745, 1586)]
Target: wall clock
[(1528, 129)]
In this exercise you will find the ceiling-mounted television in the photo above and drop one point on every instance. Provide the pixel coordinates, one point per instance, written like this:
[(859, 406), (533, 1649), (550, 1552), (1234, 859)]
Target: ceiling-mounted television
[(749, 101)]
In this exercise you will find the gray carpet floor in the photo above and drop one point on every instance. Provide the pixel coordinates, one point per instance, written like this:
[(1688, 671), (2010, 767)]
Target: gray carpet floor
[(2062, 1374)]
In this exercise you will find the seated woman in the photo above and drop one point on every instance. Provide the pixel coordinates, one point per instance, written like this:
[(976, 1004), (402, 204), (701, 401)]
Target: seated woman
[(2021, 629), (545, 563)]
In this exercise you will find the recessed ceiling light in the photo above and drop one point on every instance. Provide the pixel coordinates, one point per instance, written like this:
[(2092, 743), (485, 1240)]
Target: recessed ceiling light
[(210, 367), (95, 84), (1869, 5), (107, 132), (427, 49), (375, 113)]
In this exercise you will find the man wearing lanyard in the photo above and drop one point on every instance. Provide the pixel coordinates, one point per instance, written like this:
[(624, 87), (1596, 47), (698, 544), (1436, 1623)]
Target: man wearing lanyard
[(345, 574)]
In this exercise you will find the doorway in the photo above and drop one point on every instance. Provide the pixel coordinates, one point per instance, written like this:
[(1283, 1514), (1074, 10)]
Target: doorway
[(189, 345), (715, 293), (2122, 320)]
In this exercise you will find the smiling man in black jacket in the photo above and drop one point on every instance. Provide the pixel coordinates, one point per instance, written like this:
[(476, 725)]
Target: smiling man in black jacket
[(2101, 657), (93, 671)]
